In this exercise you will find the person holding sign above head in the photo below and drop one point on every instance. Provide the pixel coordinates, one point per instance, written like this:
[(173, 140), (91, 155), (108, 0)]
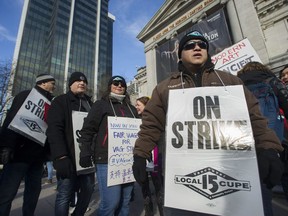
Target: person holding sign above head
[(115, 102), (22, 155), (61, 137), (202, 143)]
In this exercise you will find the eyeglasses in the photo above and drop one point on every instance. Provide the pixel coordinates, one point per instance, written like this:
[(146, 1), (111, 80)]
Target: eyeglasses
[(116, 83), (192, 45)]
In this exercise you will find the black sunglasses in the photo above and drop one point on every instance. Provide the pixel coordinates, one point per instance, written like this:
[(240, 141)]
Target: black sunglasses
[(116, 83), (192, 45)]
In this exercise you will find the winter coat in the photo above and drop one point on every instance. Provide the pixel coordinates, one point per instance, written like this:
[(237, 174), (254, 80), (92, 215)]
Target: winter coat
[(279, 88), (94, 134), (60, 128), (25, 150), (154, 115)]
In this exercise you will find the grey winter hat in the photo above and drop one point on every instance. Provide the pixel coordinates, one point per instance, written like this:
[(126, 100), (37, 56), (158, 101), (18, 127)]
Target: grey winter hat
[(43, 78)]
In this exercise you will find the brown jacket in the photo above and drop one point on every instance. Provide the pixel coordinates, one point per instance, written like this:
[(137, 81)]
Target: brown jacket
[(154, 115)]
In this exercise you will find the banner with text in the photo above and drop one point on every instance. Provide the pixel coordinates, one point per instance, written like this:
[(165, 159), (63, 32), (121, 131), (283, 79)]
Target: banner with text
[(215, 30), (211, 164), (233, 58), (77, 122), (29, 120), (122, 134)]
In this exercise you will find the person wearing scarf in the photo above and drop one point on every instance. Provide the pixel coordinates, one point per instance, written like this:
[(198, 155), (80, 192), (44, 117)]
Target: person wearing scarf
[(94, 144)]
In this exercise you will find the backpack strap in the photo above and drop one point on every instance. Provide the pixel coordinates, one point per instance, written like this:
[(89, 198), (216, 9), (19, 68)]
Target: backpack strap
[(270, 81)]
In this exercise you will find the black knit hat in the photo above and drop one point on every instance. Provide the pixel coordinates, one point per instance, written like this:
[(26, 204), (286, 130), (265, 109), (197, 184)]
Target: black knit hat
[(77, 76), (117, 78), (43, 78), (189, 36)]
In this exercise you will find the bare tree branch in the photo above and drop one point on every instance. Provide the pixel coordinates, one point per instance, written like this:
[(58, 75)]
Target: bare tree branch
[(5, 85)]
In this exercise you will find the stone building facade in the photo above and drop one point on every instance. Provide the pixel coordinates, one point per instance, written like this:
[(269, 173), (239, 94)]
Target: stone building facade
[(263, 22)]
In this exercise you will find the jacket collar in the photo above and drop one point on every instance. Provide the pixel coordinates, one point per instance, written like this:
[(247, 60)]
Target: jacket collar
[(76, 97)]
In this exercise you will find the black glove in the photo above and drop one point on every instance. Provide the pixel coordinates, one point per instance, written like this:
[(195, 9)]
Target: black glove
[(270, 167), (86, 161), (6, 155), (139, 169), (85, 155), (64, 167)]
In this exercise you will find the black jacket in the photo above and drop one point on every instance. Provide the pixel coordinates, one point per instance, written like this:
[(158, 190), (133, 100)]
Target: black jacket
[(60, 130), (94, 134), (25, 150)]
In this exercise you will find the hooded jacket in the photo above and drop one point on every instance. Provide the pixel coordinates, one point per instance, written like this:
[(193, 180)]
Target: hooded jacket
[(154, 115), (25, 150)]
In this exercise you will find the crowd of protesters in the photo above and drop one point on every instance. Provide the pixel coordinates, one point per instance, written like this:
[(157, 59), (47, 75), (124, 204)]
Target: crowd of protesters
[(24, 158)]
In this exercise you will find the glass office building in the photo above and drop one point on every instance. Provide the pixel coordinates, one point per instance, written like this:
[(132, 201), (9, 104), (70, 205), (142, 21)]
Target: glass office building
[(63, 36)]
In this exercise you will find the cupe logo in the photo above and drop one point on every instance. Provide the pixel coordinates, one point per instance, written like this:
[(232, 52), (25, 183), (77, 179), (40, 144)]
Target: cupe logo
[(212, 183)]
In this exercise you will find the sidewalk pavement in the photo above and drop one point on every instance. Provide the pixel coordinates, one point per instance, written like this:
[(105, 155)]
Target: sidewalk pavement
[(45, 206), (46, 202)]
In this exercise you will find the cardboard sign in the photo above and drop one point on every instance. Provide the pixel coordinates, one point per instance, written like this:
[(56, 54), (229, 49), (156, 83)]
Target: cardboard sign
[(77, 122), (211, 164), (29, 120), (122, 134), (233, 58)]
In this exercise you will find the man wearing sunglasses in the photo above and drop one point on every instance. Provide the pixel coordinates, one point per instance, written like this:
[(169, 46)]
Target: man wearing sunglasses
[(197, 70)]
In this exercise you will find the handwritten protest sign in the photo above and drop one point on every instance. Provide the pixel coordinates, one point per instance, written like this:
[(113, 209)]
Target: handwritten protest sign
[(29, 120), (77, 122), (211, 164), (122, 134), (233, 58)]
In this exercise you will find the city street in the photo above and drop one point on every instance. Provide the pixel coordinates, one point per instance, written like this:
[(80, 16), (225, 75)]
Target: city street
[(46, 201), (45, 205)]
